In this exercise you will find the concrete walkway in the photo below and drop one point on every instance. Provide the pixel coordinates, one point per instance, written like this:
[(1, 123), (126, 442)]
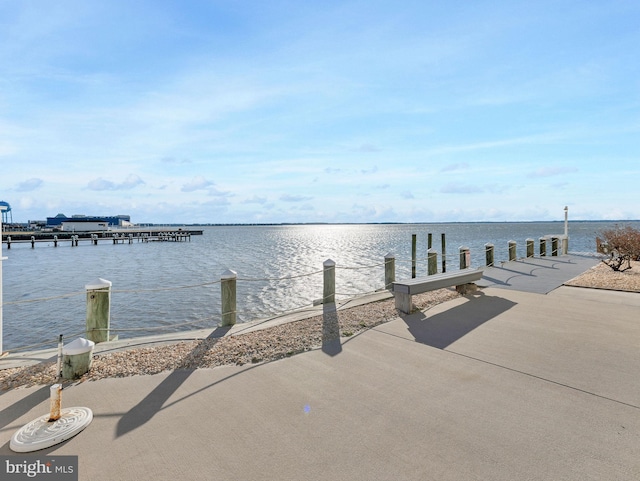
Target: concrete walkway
[(501, 385)]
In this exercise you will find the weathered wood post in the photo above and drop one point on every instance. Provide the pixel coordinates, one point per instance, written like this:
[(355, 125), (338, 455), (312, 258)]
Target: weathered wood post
[(465, 257), (389, 270), (565, 245), (543, 247), (329, 284), (98, 310), (512, 250), (414, 255), (554, 246), (228, 297), (530, 247), (444, 254), (429, 240), (432, 262), (488, 253)]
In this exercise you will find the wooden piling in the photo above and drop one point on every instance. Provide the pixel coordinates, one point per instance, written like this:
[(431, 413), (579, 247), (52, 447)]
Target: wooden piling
[(543, 247), (389, 270), (488, 250), (98, 310), (329, 284), (432, 262), (444, 254), (228, 297), (414, 254), (465, 257), (512, 250), (530, 247), (554, 246)]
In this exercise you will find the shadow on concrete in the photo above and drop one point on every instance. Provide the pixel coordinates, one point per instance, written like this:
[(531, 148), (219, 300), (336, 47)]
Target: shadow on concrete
[(22, 407), (442, 330), (142, 412), (330, 330)]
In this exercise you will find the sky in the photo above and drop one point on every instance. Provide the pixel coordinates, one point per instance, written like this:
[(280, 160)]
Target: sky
[(320, 111)]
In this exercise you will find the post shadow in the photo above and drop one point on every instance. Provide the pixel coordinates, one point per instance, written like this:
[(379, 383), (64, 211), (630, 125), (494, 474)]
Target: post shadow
[(142, 412), (23, 406), (445, 328), (330, 330)]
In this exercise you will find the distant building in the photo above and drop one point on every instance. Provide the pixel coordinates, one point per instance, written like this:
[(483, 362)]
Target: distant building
[(84, 225), (60, 219)]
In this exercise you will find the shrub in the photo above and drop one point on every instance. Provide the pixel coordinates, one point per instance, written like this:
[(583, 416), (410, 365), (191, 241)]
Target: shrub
[(622, 244)]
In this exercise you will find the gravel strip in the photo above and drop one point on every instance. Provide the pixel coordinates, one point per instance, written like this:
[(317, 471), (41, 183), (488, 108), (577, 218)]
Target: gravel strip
[(253, 347), (604, 277)]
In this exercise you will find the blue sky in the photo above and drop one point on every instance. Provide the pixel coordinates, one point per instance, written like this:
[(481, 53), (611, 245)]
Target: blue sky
[(320, 111)]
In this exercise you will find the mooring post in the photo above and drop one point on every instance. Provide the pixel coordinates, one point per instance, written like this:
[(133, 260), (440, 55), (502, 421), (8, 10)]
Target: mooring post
[(465, 257), (98, 310), (554, 246), (488, 252), (543, 247), (33, 242), (432, 262), (512, 250), (530, 247), (389, 270), (228, 297), (429, 240), (2, 258), (444, 253), (55, 241), (414, 255), (8, 242), (329, 284)]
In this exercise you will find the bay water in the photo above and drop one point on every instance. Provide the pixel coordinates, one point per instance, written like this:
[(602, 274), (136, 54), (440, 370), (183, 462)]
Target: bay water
[(160, 287)]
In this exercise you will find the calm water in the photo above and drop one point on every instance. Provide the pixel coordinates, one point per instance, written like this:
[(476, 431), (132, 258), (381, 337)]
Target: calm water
[(174, 285)]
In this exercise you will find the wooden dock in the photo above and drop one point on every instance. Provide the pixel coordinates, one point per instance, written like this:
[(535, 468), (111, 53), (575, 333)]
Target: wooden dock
[(129, 236)]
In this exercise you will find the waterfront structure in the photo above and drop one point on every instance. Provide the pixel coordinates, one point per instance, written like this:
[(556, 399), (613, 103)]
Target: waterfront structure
[(114, 220)]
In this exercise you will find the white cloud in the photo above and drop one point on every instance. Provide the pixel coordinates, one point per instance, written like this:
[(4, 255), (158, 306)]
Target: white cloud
[(100, 184), (197, 183), (552, 171), (29, 185)]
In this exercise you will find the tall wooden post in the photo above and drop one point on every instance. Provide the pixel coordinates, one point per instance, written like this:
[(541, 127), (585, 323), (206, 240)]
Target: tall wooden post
[(488, 252), (228, 297), (530, 247), (554, 246), (444, 253), (543, 246), (329, 284), (389, 270), (432, 262), (512, 250), (98, 310), (465, 257), (2, 258), (429, 240), (414, 254)]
